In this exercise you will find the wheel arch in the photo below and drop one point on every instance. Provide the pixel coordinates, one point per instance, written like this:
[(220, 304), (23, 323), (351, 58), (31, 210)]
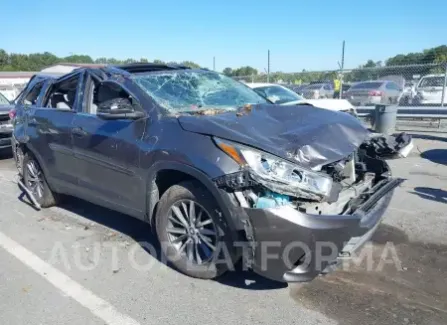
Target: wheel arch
[(27, 148), (154, 192)]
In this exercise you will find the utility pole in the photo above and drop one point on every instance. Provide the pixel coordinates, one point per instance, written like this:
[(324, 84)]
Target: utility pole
[(268, 66), (214, 63), (342, 65)]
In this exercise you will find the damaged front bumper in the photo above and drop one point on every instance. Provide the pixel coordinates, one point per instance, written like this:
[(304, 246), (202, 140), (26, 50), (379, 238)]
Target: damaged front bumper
[(389, 146), (292, 246)]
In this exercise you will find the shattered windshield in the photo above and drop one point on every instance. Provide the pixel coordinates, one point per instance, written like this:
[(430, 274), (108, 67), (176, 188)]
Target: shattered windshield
[(189, 90)]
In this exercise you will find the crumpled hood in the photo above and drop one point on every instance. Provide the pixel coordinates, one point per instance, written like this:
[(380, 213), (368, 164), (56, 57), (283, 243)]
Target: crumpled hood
[(303, 134), (332, 104)]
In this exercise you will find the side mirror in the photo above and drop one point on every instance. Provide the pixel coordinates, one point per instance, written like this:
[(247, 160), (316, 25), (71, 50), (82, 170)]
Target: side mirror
[(119, 109), (120, 115)]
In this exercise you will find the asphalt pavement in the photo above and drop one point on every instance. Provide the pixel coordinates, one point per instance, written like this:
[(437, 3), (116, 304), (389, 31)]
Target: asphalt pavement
[(83, 264)]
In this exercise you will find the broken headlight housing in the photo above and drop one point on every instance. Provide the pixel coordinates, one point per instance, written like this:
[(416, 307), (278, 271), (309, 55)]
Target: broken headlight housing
[(278, 174)]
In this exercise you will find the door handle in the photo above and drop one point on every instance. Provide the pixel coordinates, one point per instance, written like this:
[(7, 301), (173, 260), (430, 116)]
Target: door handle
[(80, 132)]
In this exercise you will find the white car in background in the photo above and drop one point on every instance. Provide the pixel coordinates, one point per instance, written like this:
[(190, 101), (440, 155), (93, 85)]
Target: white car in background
[(429, 90), (395, 145), (319, 91), (281, 95)]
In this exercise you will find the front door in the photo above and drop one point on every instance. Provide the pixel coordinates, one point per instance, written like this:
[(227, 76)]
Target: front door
[(107, 151)]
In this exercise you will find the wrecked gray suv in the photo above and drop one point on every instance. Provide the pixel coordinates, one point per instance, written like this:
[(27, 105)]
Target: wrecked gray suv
[(221, 174)]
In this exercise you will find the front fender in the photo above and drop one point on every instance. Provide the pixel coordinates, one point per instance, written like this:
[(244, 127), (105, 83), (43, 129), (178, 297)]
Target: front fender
[(229, 209)]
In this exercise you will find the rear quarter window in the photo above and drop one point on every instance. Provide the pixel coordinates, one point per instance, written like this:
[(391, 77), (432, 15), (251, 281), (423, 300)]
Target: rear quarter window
[(31, 96)]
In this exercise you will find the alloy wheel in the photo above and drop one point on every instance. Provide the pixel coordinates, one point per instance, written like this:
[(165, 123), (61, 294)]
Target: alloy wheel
[(35, 182), (192, 231)]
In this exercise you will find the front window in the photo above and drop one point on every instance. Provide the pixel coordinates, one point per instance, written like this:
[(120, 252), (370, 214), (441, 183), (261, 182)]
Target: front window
[(277, 94), (190, 90), (3, 100), (431, 82)]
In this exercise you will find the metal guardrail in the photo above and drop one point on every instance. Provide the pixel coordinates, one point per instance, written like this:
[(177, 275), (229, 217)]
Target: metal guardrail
[(411, 118), (429, 112)]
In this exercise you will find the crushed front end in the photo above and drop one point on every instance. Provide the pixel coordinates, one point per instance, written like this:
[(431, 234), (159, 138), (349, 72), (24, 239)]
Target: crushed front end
[(301, 222)]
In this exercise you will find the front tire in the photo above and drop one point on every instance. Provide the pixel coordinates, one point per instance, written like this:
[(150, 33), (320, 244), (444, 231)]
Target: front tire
[(35, 181), (193, 234)]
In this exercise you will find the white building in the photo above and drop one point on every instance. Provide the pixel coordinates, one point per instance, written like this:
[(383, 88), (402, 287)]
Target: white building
[(64, 68), (11, 83)]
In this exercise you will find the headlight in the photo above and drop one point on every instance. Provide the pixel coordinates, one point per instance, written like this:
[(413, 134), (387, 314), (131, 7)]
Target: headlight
[(278, 174)]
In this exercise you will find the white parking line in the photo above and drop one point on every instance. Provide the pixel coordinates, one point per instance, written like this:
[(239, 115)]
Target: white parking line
[(83, 296)]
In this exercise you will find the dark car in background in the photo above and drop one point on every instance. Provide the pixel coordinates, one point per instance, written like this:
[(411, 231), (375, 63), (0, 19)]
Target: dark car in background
[(374, 92), (297, 88), (217, 170), (5, 122)]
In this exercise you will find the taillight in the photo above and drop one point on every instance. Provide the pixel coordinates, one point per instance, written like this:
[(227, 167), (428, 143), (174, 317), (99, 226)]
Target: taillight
[(375, 93), (12, 114)]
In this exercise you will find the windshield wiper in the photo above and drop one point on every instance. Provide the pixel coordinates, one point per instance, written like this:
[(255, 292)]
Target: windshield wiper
[(205, 111)]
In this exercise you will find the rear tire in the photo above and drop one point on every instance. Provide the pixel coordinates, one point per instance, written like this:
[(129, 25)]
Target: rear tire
[(195, 240), (35, 181)]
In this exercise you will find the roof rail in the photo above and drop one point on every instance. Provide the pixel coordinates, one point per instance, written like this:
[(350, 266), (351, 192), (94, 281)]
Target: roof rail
[(148, 67)]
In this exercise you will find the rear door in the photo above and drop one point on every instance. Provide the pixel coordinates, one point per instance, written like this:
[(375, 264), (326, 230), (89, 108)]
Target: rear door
[(28, 100), (49, 129), (107, 151)]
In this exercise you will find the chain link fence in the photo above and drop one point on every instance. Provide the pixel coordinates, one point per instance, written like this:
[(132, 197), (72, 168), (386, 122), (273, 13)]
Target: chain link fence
[(405, 85), (419, 87)]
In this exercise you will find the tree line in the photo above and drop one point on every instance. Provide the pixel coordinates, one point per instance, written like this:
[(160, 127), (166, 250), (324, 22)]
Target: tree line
[(38, 61), (427, 61)]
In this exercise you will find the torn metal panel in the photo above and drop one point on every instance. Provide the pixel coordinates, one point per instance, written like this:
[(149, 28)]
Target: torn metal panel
[(341, 206), (388, 146), (303, 134), (247, 179)]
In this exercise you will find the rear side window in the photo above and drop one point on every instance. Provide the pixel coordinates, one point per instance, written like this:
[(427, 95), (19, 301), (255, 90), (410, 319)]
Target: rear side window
[(31, 98), (62, 94), (392, 86), (367, 85)]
